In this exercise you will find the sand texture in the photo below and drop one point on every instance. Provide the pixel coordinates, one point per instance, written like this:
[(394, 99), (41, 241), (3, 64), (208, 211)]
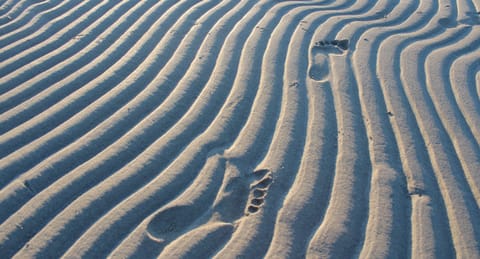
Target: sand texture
[(239, 129)]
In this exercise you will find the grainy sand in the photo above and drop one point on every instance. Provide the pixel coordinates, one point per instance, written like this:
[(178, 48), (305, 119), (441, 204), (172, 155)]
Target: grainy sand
[(240, 129)]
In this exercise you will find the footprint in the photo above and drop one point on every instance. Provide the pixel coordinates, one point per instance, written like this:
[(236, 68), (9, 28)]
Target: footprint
[(228, 205), (249, 190), (319, 57), (238, 192)]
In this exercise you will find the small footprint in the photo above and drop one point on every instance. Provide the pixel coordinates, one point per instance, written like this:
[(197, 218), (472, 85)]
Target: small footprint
[(319, 57)]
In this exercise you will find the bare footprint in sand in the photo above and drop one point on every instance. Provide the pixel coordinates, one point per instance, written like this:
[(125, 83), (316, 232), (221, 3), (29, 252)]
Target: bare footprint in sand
[(240, 195), (249, 191), (319, 67)]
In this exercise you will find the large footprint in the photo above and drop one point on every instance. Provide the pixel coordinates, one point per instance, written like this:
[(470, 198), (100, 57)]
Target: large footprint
[(240, 194), (319, 57), (237, 190)]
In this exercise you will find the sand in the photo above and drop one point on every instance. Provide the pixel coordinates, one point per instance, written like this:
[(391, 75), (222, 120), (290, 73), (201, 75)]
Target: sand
[(239, 129)]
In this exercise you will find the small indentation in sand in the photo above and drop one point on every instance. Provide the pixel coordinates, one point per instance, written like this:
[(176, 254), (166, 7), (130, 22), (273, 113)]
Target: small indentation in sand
[(416, 191), (447, 23), (252, 209)]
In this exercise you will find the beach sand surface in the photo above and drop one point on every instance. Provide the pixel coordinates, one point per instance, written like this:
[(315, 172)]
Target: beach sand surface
[(240, 129)]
